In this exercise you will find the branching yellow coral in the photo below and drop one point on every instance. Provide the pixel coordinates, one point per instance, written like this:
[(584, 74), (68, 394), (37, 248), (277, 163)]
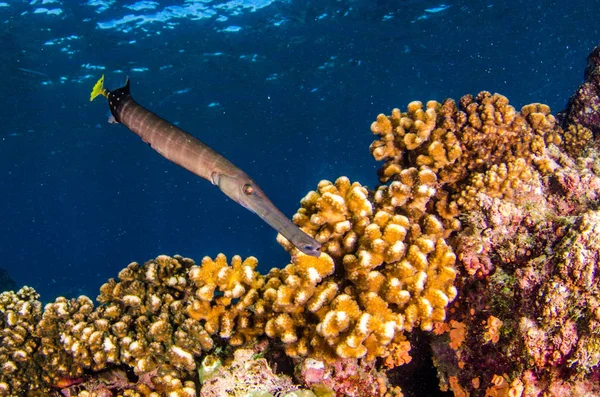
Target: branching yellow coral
[(388, 250), (415, 129), (577, 138), (230, 281), (442, 159), (512, 180), (409, 193), (382, 241), (157, 318), (289, 292), (143, 322), (335, 215), (543, 123)]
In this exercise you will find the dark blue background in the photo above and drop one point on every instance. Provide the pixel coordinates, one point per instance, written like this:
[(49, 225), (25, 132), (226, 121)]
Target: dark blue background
[(80, 198)]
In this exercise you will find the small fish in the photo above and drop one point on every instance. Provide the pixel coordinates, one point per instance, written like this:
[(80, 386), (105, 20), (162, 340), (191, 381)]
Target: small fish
[(441, 7), (65, 382), (33, 72)]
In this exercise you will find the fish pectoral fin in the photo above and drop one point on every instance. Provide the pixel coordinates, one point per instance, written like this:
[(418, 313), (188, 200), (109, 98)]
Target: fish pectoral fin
[(112, 120), (214, 178)]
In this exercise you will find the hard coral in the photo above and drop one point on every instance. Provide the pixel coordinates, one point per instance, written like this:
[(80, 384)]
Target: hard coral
[(514, 203), (397, 270), (148, 320), (19, 349), (540, 259), (485, 131), (246, 375), (335, 214), (390, 256), (218, 285), (161, 317)]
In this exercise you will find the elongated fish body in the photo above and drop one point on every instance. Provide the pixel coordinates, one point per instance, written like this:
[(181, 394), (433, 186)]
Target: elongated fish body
[(190, 153), (167, 139)]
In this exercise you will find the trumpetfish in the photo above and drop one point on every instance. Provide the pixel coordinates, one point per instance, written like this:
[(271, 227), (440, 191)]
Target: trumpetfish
[(190, 153)]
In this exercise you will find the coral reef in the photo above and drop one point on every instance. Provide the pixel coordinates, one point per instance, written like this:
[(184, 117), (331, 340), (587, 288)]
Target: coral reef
[(518, 199), (484, 147), (525, 322), (530, 327), (500, 188), (159, 320), (483, 239)]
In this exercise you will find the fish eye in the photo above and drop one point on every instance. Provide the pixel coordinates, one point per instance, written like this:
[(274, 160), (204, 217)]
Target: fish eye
[(248, 189), (311, 247)]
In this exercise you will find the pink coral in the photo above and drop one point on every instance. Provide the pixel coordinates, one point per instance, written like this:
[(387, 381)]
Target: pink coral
[(346, 377)]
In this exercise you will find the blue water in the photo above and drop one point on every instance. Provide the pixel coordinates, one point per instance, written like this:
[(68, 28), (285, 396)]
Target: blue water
[(284, 89)]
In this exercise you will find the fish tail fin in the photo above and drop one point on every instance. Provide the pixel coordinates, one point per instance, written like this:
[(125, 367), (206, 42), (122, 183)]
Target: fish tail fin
[(99, 89)]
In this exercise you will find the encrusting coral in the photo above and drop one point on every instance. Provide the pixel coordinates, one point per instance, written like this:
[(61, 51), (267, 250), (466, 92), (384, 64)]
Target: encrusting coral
[(247, 375), (484, 236)]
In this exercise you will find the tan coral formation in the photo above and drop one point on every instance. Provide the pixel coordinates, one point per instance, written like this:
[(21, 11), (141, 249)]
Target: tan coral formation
[(141, 323), (398, 270), (577, 138), (19, 314), (161, 317), (152, 319), (484, 146)]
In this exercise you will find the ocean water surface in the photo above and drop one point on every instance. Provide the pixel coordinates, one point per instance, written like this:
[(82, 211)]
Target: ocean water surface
[(284, 89)]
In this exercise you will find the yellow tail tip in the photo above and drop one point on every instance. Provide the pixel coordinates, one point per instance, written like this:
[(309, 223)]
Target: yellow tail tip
[(98, 89)]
